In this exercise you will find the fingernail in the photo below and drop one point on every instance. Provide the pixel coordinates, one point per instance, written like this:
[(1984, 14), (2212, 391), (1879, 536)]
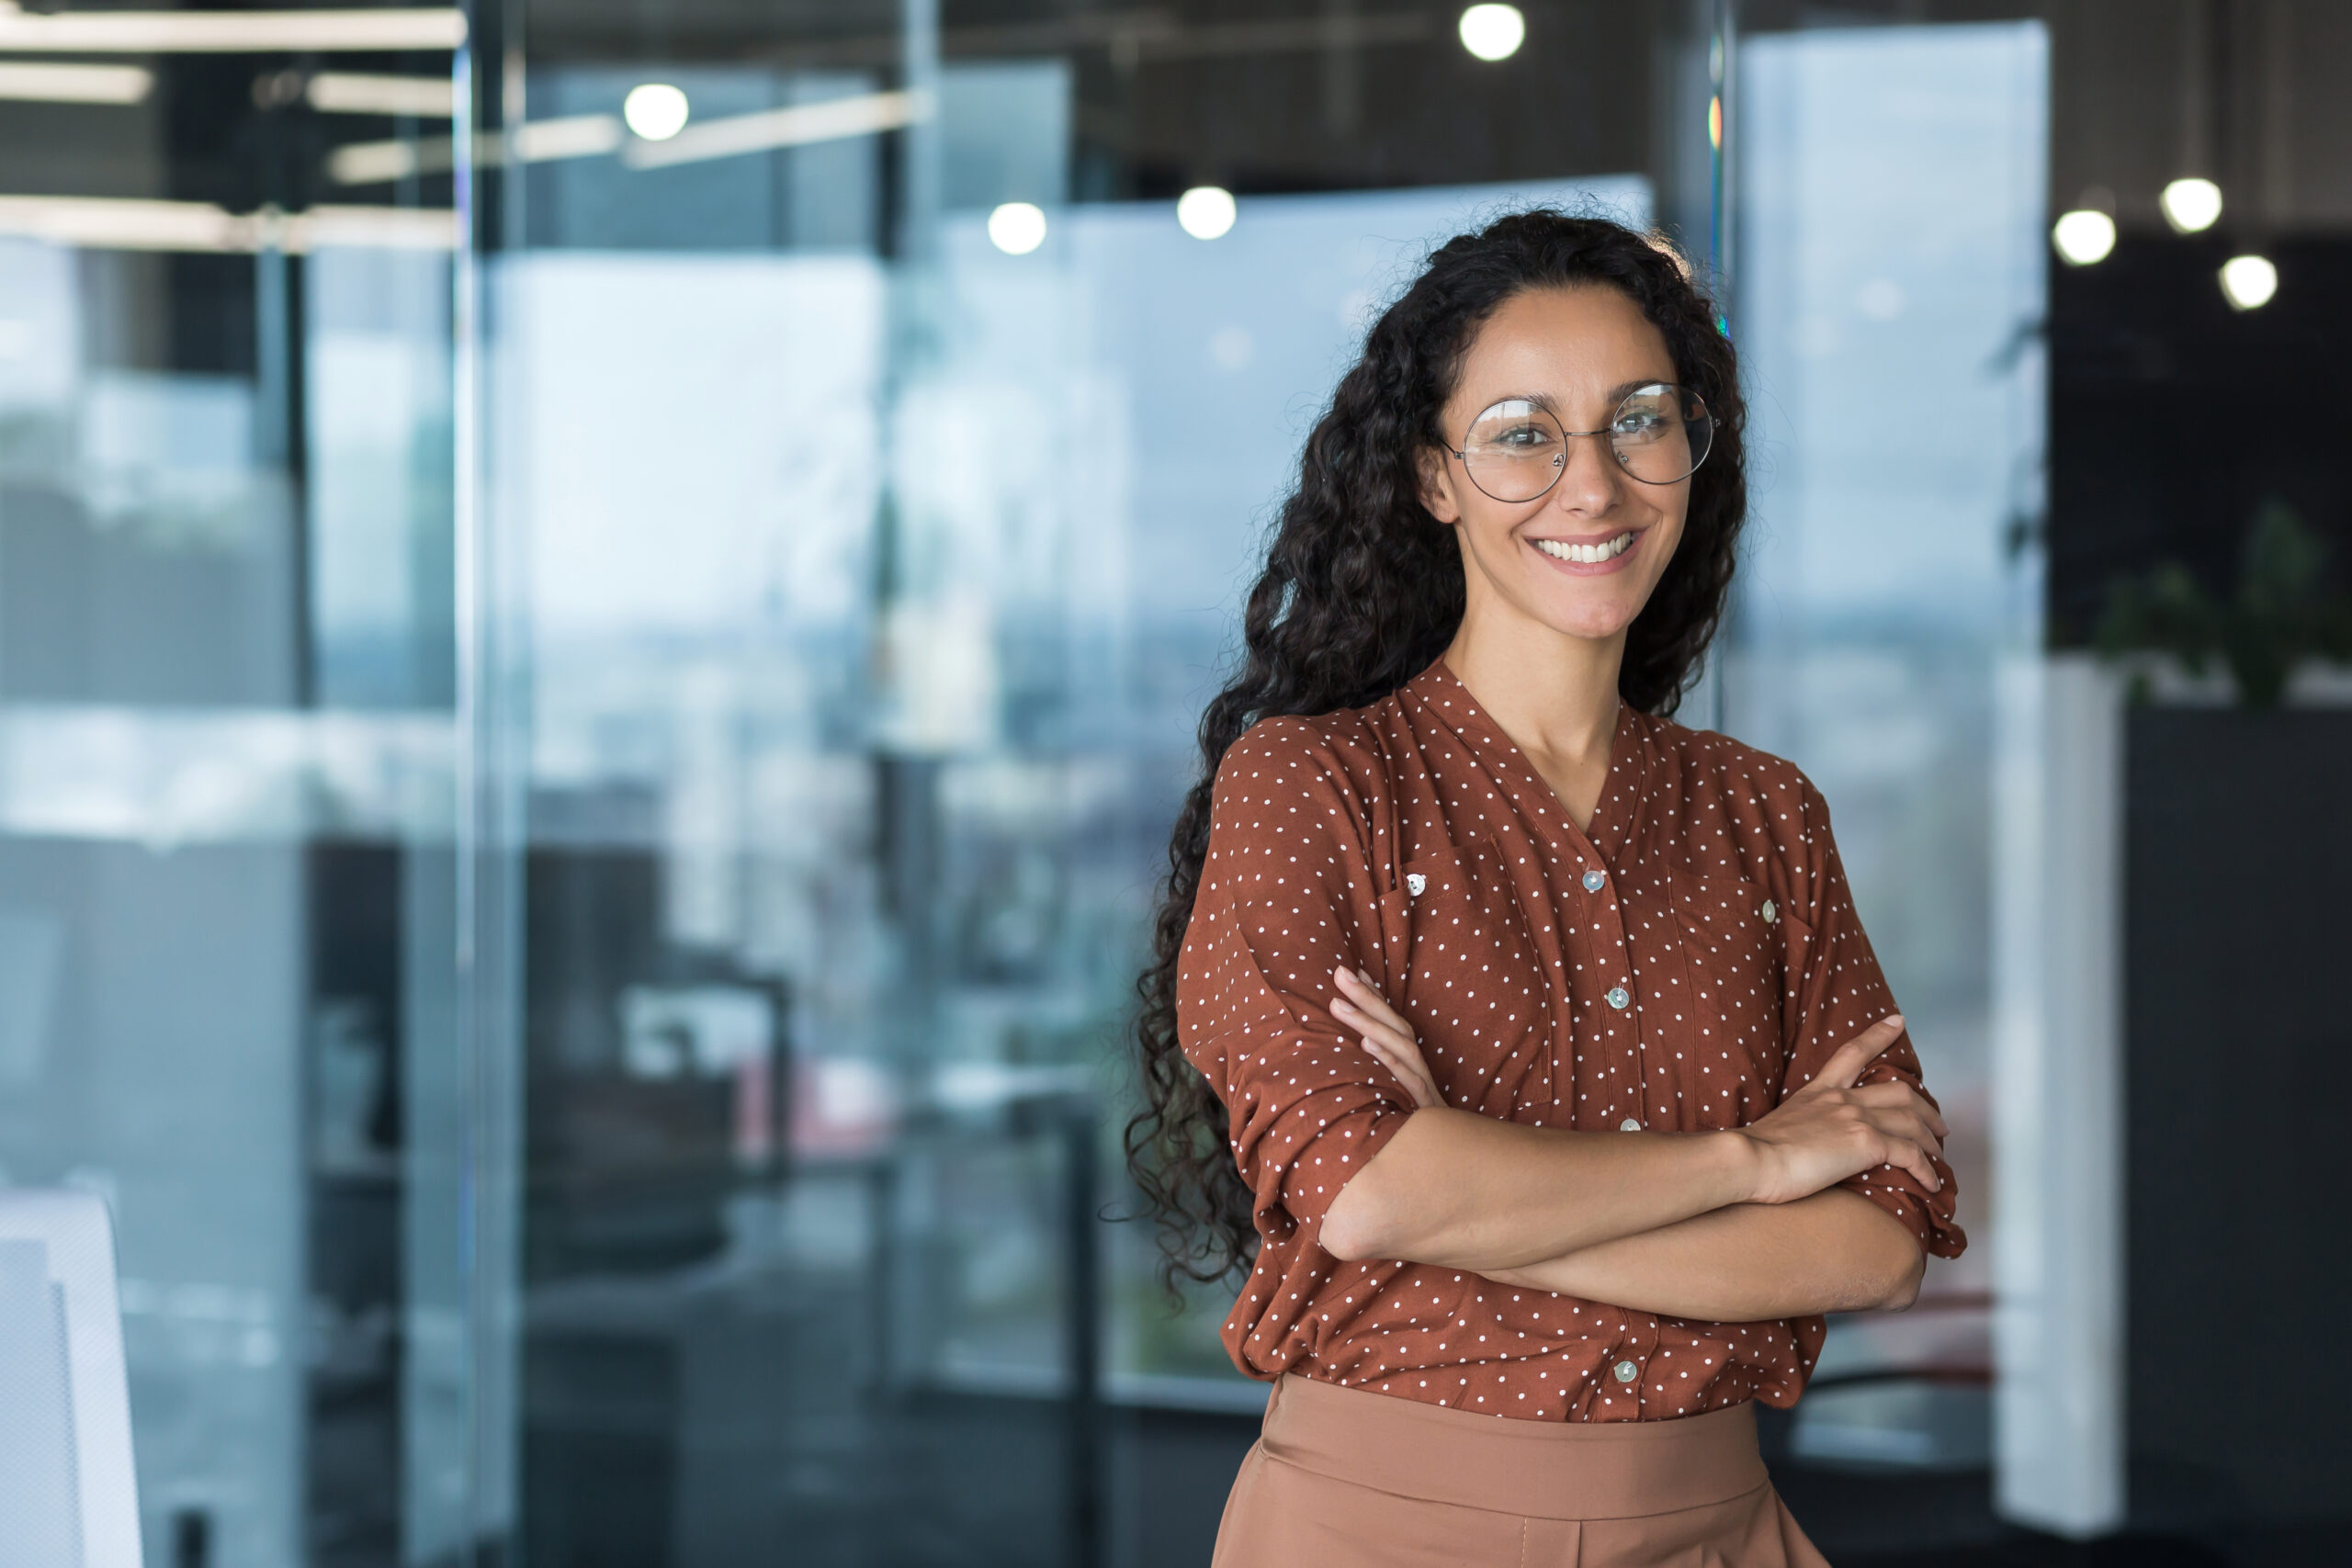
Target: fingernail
[(1365, 976), (1894, 1017)]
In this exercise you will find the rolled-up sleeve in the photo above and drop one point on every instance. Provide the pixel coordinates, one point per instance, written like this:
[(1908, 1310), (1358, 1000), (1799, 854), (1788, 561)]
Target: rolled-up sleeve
[(1287, 894), (1837, 991)]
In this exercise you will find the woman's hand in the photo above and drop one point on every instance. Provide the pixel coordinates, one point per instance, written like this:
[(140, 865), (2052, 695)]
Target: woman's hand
[(1360, 1006), (1830, 1130)]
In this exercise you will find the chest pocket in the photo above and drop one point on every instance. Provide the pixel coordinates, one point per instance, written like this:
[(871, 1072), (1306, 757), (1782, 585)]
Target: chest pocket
[(1473, 988), (1743, 949)]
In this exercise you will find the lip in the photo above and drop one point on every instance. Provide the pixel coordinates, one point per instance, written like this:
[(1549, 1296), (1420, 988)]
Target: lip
[(1590, 568)]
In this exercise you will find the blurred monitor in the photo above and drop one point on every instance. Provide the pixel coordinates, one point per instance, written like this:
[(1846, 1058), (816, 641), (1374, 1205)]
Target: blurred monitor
[(67, 1496)]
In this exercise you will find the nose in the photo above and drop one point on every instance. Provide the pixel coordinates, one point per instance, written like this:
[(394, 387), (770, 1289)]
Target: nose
[(1587, 486)]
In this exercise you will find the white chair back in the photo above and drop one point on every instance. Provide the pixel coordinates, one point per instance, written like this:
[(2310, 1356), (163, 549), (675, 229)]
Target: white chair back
[(68, 1497)]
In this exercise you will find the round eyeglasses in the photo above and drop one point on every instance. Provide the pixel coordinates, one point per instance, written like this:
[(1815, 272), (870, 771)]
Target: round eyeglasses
[(1516, 451)]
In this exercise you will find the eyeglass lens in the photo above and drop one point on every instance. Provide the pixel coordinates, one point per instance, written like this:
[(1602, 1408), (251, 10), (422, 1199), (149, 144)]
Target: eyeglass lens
[(1516, 450)]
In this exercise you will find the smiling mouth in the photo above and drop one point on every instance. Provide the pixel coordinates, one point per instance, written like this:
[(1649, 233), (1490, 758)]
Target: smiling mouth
[(1588, 555)]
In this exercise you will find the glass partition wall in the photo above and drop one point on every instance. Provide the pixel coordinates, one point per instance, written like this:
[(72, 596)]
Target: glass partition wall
[(602, 613), (228, 964), (884, 406)]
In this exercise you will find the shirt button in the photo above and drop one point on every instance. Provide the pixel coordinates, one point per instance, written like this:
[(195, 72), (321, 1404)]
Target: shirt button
[(1618, 997), (1625, 1372), (1594, 881), (1414, 883), (1629, 1126), (1770, 914)]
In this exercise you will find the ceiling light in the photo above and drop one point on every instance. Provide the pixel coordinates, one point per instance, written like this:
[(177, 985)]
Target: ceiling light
[(74, 84), (2083, 236), (2191, 206), (544, 140), (655, 110), (2249, 282), (1205, 212), (765, 130), (535, 142), (228, 32), (1017, 228), (342, 92), (381, 163), (1492, 32), (121, 223)]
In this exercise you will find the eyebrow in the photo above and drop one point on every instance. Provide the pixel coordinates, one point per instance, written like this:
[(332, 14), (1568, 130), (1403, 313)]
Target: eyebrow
[(1616, 394)]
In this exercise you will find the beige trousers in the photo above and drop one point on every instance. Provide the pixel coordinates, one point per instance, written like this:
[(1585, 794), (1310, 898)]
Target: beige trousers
[(1342, 1476)]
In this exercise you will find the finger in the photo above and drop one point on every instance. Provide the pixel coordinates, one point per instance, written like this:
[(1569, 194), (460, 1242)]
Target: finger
[(1358, 988), (1892, 1094), (1393, 1032), (1912, 1128), (1424, 1084), (1907, 1156), (1846, 1063), (1410, 1073)]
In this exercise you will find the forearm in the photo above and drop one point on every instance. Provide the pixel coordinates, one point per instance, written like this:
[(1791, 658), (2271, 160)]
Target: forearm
[(1462, 1190), (1836, 1251)]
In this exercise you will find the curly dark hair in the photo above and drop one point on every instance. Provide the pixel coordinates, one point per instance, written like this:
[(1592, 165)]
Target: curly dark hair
[(1363, 590)]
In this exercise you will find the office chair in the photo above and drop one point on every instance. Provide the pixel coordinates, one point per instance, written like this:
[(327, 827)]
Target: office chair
[(68, 1497)]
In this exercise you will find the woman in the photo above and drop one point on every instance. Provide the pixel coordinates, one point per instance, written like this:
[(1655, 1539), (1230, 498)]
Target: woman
[(1521, 1044)]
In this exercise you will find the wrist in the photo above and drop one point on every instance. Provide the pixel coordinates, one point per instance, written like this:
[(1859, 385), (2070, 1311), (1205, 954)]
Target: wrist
[(1739, 1164)]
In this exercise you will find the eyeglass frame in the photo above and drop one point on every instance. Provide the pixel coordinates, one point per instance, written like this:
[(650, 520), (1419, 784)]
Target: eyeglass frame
[(1461, 454)]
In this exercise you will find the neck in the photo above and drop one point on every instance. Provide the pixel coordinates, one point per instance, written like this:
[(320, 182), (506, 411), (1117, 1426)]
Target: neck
[(1553, 693)]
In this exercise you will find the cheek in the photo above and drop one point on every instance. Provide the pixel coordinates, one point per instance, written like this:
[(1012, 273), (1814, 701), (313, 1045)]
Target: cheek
[(1667, 532), (1488, 525), (1669, 539)]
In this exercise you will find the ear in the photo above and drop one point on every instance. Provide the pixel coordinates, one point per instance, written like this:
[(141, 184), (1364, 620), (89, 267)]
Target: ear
[(1437, 486)]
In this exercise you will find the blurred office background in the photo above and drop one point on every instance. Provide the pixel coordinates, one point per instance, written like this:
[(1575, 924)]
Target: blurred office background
[(601, 609)]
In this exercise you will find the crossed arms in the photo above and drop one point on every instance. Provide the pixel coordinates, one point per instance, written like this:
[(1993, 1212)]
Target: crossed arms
[(1738, 1225)]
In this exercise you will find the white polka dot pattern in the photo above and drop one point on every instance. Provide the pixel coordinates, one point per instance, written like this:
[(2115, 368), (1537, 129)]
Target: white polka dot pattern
[(1412, 839)]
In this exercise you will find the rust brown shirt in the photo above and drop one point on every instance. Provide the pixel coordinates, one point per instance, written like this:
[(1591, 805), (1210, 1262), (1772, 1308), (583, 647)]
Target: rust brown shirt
[(1681, 964)]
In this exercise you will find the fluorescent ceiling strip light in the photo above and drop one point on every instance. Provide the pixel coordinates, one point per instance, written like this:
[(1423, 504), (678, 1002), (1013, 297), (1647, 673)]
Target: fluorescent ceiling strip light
[(381, 163), (341, 92), (25, 83), (573, 136), (228, 32), (120, 224), (865, 115), (592, 135), (535, 141), (108, 223), (374, 227)]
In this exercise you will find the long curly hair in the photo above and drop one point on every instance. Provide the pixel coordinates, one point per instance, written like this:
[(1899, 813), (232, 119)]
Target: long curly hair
[(1362, 589)]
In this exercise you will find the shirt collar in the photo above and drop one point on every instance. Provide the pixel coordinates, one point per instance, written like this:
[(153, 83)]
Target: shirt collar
[(1622, 795)]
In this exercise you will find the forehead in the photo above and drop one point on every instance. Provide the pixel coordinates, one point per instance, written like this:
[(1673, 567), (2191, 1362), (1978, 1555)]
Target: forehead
[(1564, 345)]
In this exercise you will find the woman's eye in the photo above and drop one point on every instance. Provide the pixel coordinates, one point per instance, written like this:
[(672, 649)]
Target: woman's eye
[(1524, 438), (1641, 422)]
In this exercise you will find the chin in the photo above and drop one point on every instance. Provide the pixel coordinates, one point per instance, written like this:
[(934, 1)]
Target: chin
[(1594, 608), (1592, 623)]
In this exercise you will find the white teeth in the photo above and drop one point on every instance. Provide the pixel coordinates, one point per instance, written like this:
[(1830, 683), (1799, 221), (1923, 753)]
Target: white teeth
[(1590, 555)]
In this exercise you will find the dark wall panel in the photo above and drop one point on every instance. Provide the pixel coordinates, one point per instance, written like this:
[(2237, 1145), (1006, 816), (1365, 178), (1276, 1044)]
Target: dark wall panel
[(2238, 934)]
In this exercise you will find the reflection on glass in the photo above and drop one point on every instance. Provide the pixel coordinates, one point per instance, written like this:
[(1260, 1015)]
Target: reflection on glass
[(210, 889), (628, 760), (1890, 290), (891, 747)]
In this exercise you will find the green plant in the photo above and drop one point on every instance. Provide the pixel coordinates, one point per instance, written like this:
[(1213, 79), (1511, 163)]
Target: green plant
[(2282, 613)]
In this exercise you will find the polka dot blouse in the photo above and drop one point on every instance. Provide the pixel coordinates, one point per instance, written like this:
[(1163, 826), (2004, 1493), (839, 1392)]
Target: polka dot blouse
[(1681, 964)]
